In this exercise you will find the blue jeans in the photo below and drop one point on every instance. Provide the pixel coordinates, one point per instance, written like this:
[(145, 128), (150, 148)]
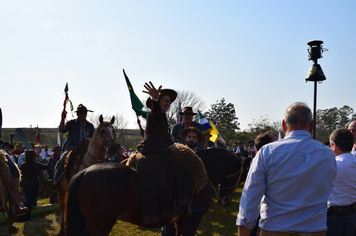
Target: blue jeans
[(31, 190)]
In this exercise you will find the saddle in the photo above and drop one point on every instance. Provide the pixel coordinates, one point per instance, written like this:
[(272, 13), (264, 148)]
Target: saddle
[(72, 163), (185, 155)]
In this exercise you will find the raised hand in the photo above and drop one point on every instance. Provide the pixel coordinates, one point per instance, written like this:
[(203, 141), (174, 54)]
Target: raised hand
[(151, 90)]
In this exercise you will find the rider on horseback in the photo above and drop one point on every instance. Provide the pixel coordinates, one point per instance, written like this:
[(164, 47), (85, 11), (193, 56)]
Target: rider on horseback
[(164, 190), (80, 130)]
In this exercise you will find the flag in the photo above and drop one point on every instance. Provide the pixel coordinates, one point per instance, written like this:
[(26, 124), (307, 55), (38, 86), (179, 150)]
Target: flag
[(208, 126), (135, 102), (214, 133), (38, 136), (203, 121), (279, 136), (67, 99), (180, 117)]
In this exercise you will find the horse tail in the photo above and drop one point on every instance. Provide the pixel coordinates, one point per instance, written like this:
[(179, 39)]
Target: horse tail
[(75, 221)]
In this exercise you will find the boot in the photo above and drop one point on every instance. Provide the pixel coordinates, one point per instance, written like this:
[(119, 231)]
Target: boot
[(19, 210)]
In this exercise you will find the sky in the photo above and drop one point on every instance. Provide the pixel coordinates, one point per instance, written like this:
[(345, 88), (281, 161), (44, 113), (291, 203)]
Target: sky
[(251, 53)]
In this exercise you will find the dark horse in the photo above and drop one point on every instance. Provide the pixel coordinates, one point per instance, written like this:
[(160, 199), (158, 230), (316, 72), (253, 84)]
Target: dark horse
[(103, 193)]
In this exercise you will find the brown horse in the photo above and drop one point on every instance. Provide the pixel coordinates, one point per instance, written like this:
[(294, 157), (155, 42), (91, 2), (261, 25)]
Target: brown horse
[(102, 142), (101, 194)]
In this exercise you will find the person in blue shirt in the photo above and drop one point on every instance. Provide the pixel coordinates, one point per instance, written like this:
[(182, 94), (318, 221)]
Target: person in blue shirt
[(79, 130), (289, 181)]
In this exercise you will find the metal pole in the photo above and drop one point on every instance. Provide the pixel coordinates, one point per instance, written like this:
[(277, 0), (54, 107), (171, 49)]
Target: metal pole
[(315, 84)]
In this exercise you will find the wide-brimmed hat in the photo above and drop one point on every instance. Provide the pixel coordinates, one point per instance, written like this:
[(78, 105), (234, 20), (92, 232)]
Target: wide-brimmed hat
[(183, 134), (81, 107), (169, 92), (251, 141), (187, 110), (56, 148)]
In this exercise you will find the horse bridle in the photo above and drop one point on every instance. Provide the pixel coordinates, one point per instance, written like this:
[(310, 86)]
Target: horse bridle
[(105, 144), (216, 194)]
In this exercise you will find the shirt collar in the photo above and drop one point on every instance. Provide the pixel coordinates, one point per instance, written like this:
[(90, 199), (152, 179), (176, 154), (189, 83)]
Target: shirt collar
[(299, 133)]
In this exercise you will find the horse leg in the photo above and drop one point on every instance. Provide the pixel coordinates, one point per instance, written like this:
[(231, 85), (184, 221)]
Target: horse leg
[(100, 217), (62, 206), (188, 224), (65, 211)]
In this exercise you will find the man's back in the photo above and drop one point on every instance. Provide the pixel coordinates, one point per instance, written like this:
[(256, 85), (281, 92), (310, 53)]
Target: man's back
[(295, 177)]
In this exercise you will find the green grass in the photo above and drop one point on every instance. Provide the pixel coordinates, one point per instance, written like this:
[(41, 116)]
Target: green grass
[(219, 221)]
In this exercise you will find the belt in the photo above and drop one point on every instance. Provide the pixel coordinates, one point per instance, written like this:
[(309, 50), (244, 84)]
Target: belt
[(342, 210), (262, 232)]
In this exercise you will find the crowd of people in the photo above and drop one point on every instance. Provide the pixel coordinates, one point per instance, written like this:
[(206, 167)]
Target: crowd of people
[(295, 185), (36, 166)]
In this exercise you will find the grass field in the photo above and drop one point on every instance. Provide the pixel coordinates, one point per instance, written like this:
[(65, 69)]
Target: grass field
[(218, 221)]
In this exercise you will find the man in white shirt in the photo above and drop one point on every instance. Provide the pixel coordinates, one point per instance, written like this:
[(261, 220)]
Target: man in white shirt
[(289, 181), (342, 200), (352, 129), (46, 152)]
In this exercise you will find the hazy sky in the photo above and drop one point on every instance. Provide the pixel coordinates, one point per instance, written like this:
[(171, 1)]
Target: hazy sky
[(252, 53)]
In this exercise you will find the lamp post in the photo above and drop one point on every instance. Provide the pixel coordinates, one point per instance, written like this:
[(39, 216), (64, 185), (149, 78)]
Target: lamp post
[(315, 73)]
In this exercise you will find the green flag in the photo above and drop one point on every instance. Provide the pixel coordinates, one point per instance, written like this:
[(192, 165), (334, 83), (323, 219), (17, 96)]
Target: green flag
[(135, 102)]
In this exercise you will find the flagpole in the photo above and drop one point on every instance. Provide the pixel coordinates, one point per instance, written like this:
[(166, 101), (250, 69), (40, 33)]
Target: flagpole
[(61, 125)]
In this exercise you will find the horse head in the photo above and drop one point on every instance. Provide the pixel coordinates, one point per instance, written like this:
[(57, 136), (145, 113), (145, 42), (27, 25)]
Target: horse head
[(107, 135), (223, 169)]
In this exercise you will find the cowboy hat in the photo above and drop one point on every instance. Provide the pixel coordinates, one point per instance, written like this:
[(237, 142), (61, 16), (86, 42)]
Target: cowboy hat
[(187, 110), (183, 134), (169, 92), (81, 107)]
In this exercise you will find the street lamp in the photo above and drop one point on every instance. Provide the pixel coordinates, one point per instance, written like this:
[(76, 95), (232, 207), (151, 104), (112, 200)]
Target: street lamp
[(315, 73)]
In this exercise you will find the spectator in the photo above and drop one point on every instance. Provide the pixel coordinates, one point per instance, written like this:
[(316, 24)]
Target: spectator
[(293, 177), (352, 129), (192, 136), (30, 180), (45, 153), (187, 114), (342, 200)]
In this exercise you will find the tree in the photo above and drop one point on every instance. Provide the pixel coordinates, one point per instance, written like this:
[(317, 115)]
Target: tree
[(264, 124), (224, 117), (328, 120), (184, 99)]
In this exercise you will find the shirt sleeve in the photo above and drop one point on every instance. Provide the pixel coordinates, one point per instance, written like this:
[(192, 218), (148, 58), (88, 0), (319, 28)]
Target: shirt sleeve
[(252, 193)]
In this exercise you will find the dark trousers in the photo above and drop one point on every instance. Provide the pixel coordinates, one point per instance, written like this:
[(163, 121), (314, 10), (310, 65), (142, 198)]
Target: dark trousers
[(168, 230), (31, 190), (344, 225)]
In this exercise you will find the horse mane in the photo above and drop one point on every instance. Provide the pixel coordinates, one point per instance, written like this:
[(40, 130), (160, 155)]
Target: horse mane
[(74, 157)]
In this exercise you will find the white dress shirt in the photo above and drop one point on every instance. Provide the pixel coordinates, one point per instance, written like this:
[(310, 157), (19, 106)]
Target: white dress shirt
[(344, 190)]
